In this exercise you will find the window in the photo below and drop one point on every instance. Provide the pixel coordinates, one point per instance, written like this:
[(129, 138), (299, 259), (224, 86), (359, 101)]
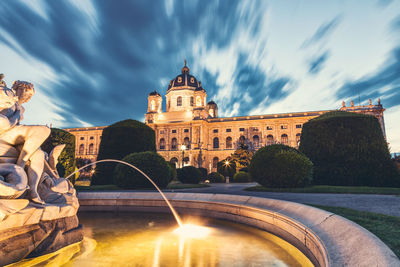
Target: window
[(82, 138), (91, 138), (269, 128), (242, 140), (215, 162), (198, 101), (174, 144), (256, 141), (216, 142), (284, 139), (153, 105), (179, 79), (174, 161), (228, 130), (186, 130), (255, 129), (215, 131), (229, 142), (298, 126), (283, 126), (211, 112), (298, 136), (91, 149), (186, 142), (241, 130), (162, 131), (162, 143), (191, 101), (81, 149), (173, 131), (270, 139), (179, 101), (192, 80)]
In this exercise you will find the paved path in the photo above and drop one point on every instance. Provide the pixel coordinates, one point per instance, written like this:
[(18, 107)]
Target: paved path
[(384, 204)]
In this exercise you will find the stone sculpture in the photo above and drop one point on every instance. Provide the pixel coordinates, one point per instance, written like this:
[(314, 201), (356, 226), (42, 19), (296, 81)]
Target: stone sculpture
[(37, 207)]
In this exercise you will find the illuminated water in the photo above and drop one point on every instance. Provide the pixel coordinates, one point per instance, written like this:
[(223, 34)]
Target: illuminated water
[(147, 239)]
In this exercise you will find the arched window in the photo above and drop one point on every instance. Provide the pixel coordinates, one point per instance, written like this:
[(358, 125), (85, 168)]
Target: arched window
[(284, 139), (153, 105), (162, 143), (186, 142), (211, 112), (174, 144), (298, 135), (270, 139), (179, 101), (229, 142), (81, 149), (198, 101), (174, 161), (256, 141), (242, 140), (191, 101), (91, 149), (216, 142), (215, 162)]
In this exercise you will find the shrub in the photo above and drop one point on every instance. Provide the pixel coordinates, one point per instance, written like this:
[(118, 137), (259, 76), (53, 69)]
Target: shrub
[(348, 149), (216, 177), (172, 169), (189, 175), (241, 177), (118, 140), (150, 163), (226, 170), (203, 173), (280, 166), (66, 161)]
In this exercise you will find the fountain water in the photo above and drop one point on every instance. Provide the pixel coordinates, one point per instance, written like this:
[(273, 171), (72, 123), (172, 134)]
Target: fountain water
[(177, 218)]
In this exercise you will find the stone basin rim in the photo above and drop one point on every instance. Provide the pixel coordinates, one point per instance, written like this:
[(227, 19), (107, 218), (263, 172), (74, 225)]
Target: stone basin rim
[(325, 238)]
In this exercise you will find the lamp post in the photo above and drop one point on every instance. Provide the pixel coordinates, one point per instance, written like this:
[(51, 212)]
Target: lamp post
[(226, 166), (183, 147)]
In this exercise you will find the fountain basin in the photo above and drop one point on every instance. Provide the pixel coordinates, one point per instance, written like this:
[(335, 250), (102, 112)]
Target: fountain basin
[(325, 238)]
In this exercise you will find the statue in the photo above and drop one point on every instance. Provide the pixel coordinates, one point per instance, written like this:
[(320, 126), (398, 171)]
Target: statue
[(2, 83), (29, 182)]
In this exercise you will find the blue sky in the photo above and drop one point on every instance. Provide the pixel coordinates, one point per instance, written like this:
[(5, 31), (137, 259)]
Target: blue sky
[(94, 62)]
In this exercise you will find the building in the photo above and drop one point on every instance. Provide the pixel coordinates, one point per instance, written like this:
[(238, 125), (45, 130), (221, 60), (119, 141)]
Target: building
[(190, 132)]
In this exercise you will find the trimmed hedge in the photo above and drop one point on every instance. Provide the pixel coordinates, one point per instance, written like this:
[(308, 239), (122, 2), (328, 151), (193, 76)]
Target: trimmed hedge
[(189, 175), (226, 170), (280, 166), (66, 161), (242, 177), (150, 163), (348, 149), (119, 140), (172, 169), (216, 177), (203, 173)]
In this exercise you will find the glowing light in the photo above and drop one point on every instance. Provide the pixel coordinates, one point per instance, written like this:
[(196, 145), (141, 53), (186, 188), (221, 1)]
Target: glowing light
[(192, 231), (183, 147), (226, 162)]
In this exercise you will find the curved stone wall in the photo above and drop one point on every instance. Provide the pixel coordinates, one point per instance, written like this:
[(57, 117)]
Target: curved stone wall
[(325, 238)]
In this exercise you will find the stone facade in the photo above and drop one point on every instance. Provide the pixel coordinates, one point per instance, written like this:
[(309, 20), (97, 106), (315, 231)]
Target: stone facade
[(87, 141), (191, 133)]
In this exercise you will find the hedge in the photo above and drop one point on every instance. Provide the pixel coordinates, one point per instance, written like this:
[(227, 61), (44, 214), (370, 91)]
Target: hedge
[(280, 166), (216, 177), (348, 149), (189, 175), (241, 177), (150, 163), (66, 161), (119, 140)]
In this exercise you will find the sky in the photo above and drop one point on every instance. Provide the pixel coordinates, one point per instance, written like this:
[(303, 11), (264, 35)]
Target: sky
[(93, 62)]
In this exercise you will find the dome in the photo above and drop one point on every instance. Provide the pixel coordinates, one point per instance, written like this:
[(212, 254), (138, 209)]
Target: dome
[(185, 80), (154, 93), (211, 103)]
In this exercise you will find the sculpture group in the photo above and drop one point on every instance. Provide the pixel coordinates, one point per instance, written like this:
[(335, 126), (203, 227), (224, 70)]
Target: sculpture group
[(31, 191)]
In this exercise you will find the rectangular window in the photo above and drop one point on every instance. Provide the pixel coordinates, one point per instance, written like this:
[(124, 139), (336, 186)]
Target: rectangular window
[(283, 126), (269, 128), (228, 130), (91, 138), (215, 131), (82, 138), (255, 129), (173, 131), (162, 132), (241, 129), (186, 130), (298, 126)]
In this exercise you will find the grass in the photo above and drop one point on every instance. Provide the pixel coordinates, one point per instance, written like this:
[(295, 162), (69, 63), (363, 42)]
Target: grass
[(386, 227), (85, 186), (332, 189), (184, 186)]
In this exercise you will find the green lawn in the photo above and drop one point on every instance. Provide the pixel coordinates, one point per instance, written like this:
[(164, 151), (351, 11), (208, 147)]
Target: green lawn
[(332, 189), (111, 187), (387, 228)]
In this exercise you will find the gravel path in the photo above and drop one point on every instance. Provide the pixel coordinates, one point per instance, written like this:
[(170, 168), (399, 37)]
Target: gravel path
[(384, 204)]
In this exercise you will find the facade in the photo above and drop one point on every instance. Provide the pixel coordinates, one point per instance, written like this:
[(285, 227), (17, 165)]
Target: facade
[(190, 132)]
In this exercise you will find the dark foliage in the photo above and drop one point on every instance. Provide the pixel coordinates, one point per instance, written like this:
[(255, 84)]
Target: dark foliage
[(66, 161), (150, 163), (172, 169), (227, 170), (216, 177), (348, 149), (203, 173), (118, 140), (280, 166), (189, 175), (241, 177)]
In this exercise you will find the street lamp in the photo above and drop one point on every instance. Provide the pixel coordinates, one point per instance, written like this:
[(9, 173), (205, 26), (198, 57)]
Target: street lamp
[(183, 147), (226, 171)]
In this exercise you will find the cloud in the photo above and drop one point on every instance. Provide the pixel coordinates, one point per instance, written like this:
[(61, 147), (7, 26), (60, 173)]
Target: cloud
[(317, 63), (323, 31)]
